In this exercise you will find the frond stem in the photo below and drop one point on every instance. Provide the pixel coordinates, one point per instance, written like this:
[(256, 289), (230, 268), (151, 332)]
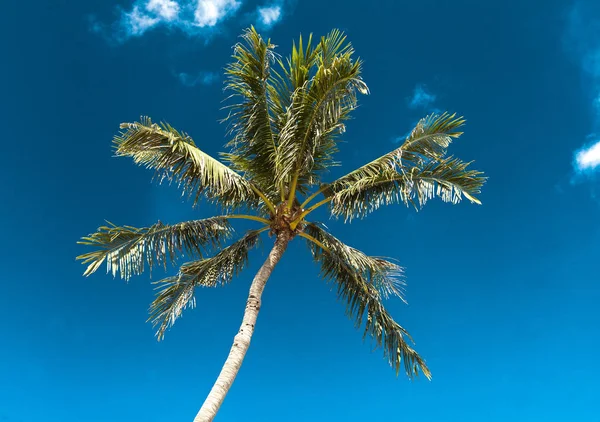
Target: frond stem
[(268, 203), (293, 189), (294, 223), (250, 217), (262, 229), (282, 192), (310, 198), (315, 241)]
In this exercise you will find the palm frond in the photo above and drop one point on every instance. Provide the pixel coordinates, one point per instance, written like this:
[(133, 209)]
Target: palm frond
[(128, 249), (449, 179), (385, 276), (291, 75), (177, 293), (430, 138), (427, 142), (296, 70), (318, 111), (175, 157), (253, 147), (354, 274)]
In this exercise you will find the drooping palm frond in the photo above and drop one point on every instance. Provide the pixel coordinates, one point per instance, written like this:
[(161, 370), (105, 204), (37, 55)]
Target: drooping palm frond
[(355, 275), (128, 249), (317, 112), (427, 142), (385, 276), (449, 179), (253, 147), (175, 157), (176, 293)]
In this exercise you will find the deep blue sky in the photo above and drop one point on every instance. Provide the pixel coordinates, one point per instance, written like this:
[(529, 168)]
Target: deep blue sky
[(503, 298)]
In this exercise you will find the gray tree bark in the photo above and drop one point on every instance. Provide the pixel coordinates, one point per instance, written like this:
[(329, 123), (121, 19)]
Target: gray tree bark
[(241, 341)]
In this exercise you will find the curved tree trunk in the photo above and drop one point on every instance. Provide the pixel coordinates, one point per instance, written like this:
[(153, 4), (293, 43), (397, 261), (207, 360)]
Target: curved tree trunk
[(241, 342)]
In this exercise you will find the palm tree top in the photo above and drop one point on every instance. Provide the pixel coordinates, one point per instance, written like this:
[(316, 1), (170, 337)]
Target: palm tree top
[(285, 119)]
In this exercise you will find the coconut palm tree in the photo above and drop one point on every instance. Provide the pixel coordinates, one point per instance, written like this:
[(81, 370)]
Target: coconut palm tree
[(284, 121)]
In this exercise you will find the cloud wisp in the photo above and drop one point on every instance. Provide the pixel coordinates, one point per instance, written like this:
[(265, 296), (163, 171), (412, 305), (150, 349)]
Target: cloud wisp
[(210, 12), (192, 17), (587, 159), (201, 78), (582, 42), (165, 9), (421, 98), (269, 15)]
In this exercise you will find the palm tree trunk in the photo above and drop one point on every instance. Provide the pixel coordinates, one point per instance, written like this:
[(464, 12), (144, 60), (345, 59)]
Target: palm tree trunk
[(241, 341)]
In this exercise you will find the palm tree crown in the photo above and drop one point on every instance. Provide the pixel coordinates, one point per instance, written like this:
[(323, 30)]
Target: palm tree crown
[(285, 121)]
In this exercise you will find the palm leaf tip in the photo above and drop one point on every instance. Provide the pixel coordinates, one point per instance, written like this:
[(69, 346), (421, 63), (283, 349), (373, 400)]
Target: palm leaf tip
[(176, 158), (359, 279), (177, 293), (128, 250), (449, 178)]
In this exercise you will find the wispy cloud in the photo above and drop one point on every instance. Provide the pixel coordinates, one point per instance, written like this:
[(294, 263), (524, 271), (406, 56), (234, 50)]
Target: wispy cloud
[(421, 98), (211, 12), (165, 9), (201, 78), (192, 17), (137, 22), (588, 158), (583, 44), (269, 15), (422, 101)]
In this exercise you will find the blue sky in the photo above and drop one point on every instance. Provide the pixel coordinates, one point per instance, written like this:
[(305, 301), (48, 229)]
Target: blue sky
[(502, 297)]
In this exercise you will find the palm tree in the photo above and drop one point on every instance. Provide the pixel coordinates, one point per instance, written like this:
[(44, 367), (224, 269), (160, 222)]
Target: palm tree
[(284, 125)]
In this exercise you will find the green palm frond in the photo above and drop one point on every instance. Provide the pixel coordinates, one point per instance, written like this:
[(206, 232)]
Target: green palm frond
[(176, 293), (296, 70), (355, 275), (317, 112), (428, 141), (175, 157), (430, 138), (253, 147), (449, 179), (292, 75), (333, 45), (128, 249), (385, 276)]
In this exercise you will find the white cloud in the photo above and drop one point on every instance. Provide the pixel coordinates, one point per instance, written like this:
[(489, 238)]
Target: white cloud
[(202, 78), (193, 17), (166, 9), (588, 159), (269, 16), (421, 98), (137, 22), (582, 43), (210, 12)]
